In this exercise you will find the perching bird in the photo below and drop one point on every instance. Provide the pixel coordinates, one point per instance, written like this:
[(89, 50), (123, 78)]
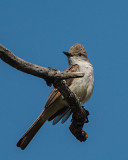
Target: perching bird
[(56, 107)]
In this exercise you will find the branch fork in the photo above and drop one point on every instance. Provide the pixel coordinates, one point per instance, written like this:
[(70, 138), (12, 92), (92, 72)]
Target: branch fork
[(57, 78)]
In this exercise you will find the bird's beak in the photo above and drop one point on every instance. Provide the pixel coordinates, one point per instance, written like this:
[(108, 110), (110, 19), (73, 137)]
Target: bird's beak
[(67, 53)]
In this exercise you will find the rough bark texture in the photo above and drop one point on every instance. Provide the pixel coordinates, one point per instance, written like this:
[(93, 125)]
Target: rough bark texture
[(55, 77), (79, 116), (47, 74)]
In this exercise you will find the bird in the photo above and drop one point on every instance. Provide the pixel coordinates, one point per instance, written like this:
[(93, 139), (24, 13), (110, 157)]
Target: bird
[(56, 107)]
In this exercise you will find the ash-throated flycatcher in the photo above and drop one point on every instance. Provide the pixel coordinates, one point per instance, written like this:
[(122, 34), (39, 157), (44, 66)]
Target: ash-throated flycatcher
[(56, 107)]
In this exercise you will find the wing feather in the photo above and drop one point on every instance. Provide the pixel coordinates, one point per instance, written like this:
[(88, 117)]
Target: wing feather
[(55, 94)]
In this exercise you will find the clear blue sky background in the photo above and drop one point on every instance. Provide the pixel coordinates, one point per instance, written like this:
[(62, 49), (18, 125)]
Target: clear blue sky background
[(38, 31)]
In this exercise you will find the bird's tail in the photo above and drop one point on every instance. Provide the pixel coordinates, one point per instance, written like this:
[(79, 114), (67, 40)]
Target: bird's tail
[(27, 137)]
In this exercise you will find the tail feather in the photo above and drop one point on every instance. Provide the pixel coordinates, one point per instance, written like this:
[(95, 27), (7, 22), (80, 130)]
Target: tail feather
[(66, 116), (59, 117), (27, 137)]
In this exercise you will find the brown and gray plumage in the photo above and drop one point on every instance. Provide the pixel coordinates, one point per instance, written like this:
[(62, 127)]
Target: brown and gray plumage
[(56, 107)]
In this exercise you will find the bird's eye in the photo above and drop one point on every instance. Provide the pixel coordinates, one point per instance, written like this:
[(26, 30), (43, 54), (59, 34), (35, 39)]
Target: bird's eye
[(79, 54)]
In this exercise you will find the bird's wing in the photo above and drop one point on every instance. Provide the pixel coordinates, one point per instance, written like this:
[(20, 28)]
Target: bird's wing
[(55, 94)]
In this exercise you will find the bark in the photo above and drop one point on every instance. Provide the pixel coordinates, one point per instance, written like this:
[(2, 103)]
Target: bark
[(55, 77), (47, 74)]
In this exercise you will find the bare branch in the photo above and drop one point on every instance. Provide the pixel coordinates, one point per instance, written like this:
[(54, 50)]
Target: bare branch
[(47, 74), (56, 77), (79, 113)]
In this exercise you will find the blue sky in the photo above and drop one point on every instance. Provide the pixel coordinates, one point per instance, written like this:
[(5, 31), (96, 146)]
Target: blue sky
[(38, 31)]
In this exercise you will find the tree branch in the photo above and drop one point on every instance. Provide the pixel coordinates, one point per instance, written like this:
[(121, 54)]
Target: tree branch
[(55, 77), (47, 74), (79, 113)]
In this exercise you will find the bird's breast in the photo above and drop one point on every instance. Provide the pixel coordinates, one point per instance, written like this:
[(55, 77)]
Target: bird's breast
[(83, 87)]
